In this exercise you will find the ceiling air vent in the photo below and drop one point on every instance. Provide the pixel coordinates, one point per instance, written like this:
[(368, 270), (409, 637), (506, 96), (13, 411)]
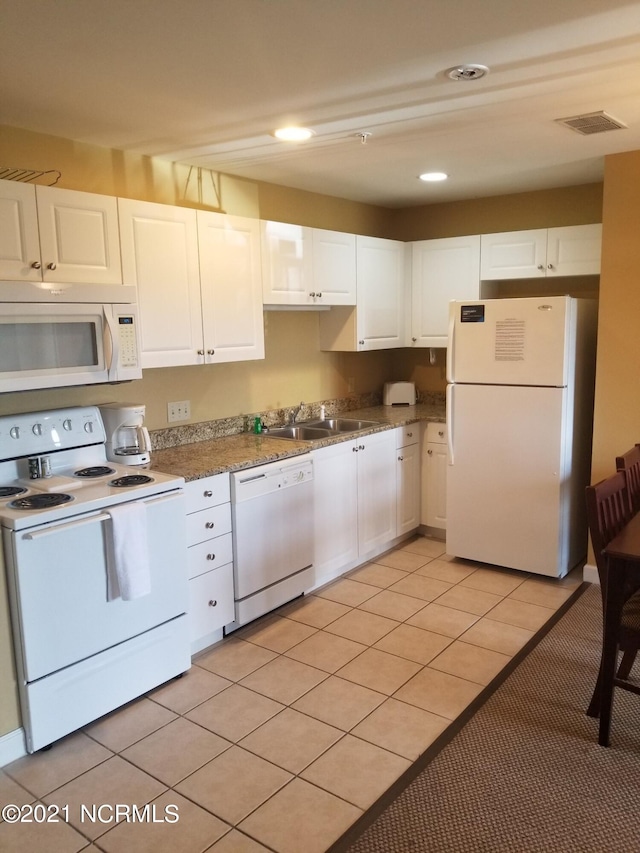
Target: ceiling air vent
[(592, 123)]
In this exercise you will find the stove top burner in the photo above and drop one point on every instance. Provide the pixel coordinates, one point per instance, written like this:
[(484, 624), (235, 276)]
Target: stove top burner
[(131, 480), (11, 491), (94, 471), (46, 500)]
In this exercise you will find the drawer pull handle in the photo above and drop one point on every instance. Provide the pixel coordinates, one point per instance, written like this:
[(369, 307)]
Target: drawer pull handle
[(409, 435), (213, 602), (208, 493), (209, 525), (211, 556)]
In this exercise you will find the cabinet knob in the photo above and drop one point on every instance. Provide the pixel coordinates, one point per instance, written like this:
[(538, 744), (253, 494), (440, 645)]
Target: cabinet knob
[(361, 343), (213, 602), (211, 556), (210, 525), (200, 352), (440, 432), (52, 266), (429, 452), (361, 447), (414, 340), (400, 458), (210, 351), (208, 493), (312, 295), (36, 265), (409, 435), (550, 266), (540, 267), (319, 295)]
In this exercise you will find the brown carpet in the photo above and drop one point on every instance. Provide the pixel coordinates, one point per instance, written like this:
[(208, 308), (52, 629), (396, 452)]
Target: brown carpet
[(526, 774)]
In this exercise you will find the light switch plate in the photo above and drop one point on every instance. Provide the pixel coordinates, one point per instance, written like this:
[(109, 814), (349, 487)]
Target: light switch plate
[(180, 411)]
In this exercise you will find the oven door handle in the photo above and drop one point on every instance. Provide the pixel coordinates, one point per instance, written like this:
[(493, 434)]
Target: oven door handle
[(101, 516)]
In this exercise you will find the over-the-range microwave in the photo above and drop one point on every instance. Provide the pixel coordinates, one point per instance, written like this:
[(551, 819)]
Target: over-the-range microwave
[(47, 345)]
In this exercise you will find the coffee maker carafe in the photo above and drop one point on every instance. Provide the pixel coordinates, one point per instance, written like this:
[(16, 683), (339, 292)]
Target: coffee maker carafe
[(127, 438)]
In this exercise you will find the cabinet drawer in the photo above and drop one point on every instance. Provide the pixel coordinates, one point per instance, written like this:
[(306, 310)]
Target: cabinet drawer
[(209, 555), (208, 491), (210, 602), (437, 433), (406, 435), (208, 523)]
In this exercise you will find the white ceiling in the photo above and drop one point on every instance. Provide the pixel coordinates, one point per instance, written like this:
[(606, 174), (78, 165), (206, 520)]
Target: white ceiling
[(204, 82)]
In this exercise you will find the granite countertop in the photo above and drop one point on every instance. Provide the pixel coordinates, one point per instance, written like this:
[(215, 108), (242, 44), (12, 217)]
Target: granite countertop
[(235, 452)]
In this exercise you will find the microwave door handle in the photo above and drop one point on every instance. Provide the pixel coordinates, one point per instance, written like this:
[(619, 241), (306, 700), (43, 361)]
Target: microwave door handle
[(111, 343)]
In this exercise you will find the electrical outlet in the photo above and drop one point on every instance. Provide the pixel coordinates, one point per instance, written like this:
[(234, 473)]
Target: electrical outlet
[(180, 411)]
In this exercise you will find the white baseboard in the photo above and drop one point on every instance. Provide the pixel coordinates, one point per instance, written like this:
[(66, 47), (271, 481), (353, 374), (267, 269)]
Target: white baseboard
[(590, 574), (12, 747)]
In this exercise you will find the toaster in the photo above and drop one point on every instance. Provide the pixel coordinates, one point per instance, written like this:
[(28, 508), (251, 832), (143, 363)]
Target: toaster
[(399, 394)]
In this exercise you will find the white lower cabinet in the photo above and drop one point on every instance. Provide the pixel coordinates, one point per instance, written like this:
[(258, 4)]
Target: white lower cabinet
[(407, 478), (209, 559), (434, 477), (354, 502)]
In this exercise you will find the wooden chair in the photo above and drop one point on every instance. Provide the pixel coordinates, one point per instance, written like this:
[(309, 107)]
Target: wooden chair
[(629, 462), (608, 510)]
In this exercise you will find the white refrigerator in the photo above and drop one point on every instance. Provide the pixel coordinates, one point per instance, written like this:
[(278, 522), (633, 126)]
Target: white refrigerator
[(520, 379)]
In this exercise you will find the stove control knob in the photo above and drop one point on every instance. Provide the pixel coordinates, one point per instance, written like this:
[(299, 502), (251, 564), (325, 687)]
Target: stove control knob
[(14, 432), (88, 427), (66, 425), (36, 429)]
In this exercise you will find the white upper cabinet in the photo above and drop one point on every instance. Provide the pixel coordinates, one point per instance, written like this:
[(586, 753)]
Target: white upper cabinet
[(198, 280), (58, 236), (304, 266), (442, 270), (378, 320), (231, 287), (160, 256), (542, 252)]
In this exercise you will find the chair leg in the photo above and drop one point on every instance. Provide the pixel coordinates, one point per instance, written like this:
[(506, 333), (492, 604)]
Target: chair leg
[(594, 706), (626, 663)]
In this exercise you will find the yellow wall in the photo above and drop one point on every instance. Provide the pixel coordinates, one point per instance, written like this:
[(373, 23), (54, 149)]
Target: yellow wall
[(294, 369), (617, 402)]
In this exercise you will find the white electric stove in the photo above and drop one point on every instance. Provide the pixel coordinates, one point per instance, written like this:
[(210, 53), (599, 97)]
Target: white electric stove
[(81, 649)]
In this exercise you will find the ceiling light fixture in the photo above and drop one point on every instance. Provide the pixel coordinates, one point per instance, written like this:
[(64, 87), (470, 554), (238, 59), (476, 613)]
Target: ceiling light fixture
[(467, 72), (293, 134), (433, 177)]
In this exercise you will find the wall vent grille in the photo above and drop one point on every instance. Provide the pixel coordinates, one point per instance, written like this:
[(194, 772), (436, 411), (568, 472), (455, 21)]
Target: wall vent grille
[(598, 122)]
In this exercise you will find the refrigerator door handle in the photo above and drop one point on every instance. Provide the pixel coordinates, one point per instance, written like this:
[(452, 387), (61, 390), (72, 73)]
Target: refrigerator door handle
[(450, 347), (449, 411)]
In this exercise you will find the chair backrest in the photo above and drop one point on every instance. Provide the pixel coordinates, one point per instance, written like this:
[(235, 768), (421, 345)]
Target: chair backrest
[(629, 462), (608, 510)]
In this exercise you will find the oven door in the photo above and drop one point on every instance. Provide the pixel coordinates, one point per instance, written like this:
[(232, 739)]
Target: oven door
[(58, 586)]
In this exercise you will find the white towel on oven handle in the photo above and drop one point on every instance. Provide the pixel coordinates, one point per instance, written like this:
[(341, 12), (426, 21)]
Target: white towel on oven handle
[(128, 568)]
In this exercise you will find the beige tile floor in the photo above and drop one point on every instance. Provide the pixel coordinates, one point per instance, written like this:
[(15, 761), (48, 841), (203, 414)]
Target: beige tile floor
[(283, 734)]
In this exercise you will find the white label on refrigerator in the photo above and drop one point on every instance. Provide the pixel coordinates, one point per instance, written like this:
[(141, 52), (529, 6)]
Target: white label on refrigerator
[(509, 345)]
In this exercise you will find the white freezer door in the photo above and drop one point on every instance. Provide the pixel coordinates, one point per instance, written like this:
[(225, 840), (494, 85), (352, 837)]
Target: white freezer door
[(507, 492), (525, 341)]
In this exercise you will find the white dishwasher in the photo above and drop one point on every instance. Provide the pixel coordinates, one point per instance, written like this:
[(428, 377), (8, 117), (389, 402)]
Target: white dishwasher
[(272, 512)]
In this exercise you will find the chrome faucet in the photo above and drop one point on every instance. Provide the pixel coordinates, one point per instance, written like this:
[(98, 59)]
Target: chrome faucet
[(293, 414)]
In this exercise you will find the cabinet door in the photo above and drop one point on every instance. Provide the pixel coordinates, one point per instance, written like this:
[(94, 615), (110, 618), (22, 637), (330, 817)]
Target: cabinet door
[(211, 603), (79, 236), (160, 256), (335, 509), (442, 270), (334, 267), (408, 488), (434, 485), (380, 293), (19, 242), (574, 250), (287, 270), (513, 254), (231, 287), (376, 490)]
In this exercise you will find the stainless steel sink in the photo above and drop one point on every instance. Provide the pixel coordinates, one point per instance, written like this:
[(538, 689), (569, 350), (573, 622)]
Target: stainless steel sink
[(342, 424), (300, 432)]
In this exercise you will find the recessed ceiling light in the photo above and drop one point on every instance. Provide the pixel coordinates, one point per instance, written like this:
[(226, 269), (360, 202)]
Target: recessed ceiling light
[(467, 72), (431, 177), (293, 134)]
